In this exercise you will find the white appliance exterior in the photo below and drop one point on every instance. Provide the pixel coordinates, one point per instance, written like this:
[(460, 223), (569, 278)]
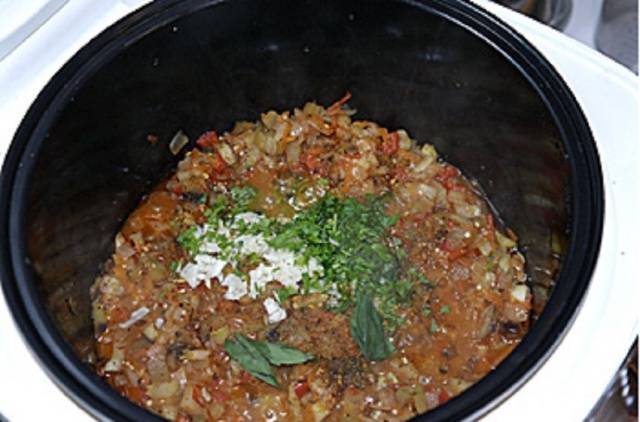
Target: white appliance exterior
[(565, 388)]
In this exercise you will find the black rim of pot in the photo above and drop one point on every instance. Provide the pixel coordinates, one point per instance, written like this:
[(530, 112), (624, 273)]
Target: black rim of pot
[(80, 383)]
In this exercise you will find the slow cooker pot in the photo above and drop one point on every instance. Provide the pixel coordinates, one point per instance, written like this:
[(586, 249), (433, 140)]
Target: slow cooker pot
[(447, 71)]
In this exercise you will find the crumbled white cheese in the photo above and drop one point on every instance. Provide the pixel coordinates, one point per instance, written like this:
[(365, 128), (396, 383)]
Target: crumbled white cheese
[(258, 279), (279, 265), (210, 247), (248, 217), (313, 266), (249, 244), (288, 274), (274, 312), (279, 257), (190, 274), (236, 287), (136, 316), (205, 268)]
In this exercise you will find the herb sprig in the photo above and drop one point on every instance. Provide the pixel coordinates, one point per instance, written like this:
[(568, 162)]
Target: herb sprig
[(256, 357)]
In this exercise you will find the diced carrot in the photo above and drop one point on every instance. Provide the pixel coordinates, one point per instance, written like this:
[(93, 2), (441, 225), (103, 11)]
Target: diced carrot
[(135, 393), (336, 106)]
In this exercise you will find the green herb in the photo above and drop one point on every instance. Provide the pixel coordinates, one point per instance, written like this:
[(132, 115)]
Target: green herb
[(367, 329), (189, 241), (322, 182), (216, 211), (248, 355), (241, 198), (426, 310), (445, 309), (284, 293), (434, 327), (279, 355), (256, 357), (349, 239), (253, 259), (489, 266), (174, 266)]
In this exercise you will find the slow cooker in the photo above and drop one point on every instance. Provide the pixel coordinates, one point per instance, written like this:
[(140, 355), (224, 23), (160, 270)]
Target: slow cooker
[(450, 72)]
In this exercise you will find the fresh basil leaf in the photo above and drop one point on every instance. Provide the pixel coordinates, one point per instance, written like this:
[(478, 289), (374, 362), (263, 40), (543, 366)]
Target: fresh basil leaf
[(277, 354), (244, 351), (367, 329)]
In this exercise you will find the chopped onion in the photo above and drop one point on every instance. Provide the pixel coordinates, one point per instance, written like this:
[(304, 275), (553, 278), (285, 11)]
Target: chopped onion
[(485, 247), (220, 335), (504, 262), (178, 142), (196, 354), (115, 363), (164, 390), (419, 400), (520, 292), (504, 241), (428, 150), (136, 316), (150, 332), (226, 153), (405, 141), (293, 152)]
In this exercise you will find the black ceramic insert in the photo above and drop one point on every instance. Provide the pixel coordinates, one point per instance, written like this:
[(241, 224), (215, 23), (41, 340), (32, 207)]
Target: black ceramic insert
[(445, 70)]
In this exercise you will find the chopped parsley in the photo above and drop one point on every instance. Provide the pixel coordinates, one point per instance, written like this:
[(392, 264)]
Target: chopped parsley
[(241, 197), (189, 241), (445, 309), (351, 241), (284, 293), (434, 327)]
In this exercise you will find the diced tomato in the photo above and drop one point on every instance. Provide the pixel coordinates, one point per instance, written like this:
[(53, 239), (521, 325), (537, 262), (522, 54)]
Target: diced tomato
[(443, 396), (218, 163), (391, 143), (447, 172), (219, 396), (118, 314), (301, 388), (310, 158), (453, 253), (452, 184), (196, 394), (207, 140), (399, 173)]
